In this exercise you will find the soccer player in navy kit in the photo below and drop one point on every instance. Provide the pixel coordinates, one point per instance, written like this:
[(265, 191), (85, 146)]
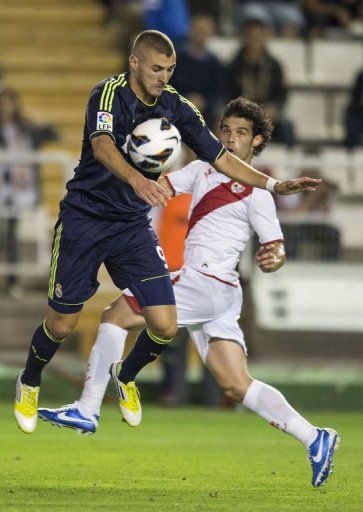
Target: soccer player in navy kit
[(103, 217)]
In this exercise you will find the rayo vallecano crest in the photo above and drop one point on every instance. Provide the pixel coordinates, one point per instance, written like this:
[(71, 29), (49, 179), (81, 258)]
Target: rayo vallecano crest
[(237, 188)]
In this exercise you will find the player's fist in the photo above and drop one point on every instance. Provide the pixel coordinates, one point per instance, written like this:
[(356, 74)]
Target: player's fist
[(296, 185), (270, 258)]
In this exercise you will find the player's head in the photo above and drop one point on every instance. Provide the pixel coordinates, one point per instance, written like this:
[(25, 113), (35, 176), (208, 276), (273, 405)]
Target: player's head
[(245, 128), (202, 28), (152, 62)]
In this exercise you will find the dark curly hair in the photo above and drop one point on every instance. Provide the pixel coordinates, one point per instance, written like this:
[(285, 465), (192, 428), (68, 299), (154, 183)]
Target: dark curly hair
[(247, 109)]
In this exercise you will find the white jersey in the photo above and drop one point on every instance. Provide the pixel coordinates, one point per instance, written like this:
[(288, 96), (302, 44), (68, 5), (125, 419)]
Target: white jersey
[(222, 217)]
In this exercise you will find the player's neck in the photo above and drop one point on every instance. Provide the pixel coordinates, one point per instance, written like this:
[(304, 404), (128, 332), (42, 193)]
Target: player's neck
[(138, 90)]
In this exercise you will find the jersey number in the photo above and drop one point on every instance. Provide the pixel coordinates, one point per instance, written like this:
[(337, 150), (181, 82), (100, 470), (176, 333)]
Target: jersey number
[(161, 255)]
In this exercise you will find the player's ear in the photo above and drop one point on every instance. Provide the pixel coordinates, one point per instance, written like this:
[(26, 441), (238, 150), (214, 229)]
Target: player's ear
[(257, 141), (133, 61)]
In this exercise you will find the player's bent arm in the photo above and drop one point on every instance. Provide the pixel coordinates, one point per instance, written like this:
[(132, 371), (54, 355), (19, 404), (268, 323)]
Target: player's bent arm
[(105, 151), (238, 170), (271, 257)]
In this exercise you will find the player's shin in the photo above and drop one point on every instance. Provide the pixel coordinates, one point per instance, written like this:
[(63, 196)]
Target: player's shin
[(42, 348), (108, 348), (271, 405), (146, 349)]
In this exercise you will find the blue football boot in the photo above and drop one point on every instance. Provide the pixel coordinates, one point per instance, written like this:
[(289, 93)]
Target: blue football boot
[(70, 416), (321, 452)]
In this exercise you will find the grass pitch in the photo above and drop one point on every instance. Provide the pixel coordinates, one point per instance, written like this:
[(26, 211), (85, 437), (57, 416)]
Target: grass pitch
[(185, 459)]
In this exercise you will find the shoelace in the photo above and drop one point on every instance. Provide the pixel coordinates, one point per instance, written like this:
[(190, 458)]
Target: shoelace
[(133, 398), (29, 401)]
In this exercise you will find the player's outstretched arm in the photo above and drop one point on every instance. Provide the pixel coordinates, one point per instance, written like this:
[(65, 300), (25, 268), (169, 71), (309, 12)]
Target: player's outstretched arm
[(238, 170), (105, 151), (270, 258)]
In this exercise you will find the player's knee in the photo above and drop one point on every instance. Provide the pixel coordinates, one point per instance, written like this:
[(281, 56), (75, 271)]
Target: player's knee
[(165, 330), (236, 392), (110, 316), (60, 328)]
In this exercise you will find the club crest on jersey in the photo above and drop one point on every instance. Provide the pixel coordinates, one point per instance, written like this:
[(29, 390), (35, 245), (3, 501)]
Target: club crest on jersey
[(237, 188), (104, 121), (58, 291)]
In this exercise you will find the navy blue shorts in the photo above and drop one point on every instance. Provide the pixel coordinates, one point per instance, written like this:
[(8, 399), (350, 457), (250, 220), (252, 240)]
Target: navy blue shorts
[(129, 250)]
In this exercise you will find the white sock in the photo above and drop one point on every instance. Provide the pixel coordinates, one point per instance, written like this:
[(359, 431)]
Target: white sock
[(108, 348), (271, 405)]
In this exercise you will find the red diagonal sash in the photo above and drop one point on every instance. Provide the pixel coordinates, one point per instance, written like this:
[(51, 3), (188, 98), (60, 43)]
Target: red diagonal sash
[(219, 196)]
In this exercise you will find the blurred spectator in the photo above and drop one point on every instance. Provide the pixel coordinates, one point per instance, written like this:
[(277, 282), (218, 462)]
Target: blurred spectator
[(283, 16), (109, 8), (19, 184), (125, 19), (325, 14), (356, 25), (216, 9), (199, 76), (354, 115), (168, 16), (306, 226), (255, 73)]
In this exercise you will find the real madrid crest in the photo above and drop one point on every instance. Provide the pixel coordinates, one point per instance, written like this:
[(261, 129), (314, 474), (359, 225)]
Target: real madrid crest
[(58, 291)]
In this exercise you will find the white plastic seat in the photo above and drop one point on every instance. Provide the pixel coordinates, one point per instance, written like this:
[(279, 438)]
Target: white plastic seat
[(275, 159), (357, 172), (224, 48), (307, 110), (335, 63), (335, 167), (291, 55)]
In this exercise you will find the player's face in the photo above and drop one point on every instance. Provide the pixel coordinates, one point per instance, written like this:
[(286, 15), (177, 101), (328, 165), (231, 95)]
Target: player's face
[(236, 135), (152, 71)]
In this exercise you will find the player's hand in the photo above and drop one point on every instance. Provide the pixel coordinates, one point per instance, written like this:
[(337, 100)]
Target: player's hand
[(150, 191), (296, 185), (270, 258)]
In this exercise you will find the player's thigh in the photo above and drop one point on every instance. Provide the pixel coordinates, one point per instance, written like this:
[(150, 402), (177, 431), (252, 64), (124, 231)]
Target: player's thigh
[(227, 362), (198, 298), (74, 267), (139, 259), (121, 313)]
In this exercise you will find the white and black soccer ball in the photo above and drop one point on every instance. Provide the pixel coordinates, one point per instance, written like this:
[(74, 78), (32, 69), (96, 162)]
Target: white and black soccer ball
[(154, 145)]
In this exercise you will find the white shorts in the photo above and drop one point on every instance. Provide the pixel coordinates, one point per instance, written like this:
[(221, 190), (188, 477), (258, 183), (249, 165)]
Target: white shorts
[(207, 307)]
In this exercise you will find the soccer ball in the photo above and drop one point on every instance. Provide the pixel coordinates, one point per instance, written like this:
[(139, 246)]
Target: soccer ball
[(154, 145)]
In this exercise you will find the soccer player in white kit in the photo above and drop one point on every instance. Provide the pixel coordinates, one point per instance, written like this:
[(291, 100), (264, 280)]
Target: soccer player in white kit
[(223, 216)]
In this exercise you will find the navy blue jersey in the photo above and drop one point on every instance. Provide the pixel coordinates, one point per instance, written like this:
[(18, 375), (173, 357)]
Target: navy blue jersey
[(115, 110)]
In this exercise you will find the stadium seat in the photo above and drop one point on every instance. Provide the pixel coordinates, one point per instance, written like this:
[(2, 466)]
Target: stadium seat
[(307, 110), (338, 102), (224, 48), (292, 56), (357, 172), (335, 167), (335, 63), (277, 160)]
